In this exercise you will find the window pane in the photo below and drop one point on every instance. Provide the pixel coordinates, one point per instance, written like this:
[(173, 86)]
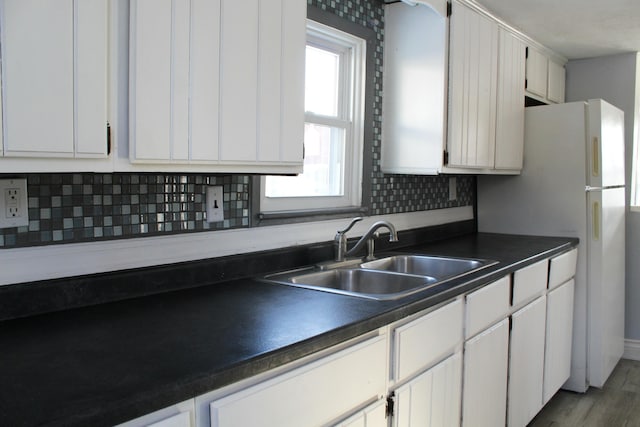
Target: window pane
[(321, 81), (323, 166)]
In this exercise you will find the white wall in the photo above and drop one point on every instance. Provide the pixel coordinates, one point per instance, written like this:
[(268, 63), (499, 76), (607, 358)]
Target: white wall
[(616, 80)]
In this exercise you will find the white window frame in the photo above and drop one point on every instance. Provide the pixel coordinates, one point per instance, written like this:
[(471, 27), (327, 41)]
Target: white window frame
[(351, 118)]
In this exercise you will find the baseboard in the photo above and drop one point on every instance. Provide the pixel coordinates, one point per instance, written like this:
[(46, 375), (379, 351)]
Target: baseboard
[(631, 350)]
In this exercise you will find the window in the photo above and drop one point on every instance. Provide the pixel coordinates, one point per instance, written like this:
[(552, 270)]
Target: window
[(334, 122)]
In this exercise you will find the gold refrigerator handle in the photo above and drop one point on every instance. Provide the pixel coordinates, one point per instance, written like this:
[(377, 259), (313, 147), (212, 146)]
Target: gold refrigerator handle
[(596, 221)]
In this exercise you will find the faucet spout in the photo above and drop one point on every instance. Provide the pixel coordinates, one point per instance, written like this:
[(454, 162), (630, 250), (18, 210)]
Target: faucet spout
[(369, 236)]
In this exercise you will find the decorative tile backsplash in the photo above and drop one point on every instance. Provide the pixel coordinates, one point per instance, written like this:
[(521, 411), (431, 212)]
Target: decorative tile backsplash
[(66, 208)]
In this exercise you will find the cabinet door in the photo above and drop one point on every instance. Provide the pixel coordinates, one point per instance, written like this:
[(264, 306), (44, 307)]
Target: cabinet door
[(314, 394), (510, 107), (54, 77), (557, 358), (174, 67), (526, 364), (472, 88), (426, 340), (415, 64), (432, 398), (555, 90), (486, 359), (537, 72), (218, 82)]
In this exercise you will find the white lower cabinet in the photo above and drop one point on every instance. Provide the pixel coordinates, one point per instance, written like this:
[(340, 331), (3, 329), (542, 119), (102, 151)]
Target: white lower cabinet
[(486, 359), (557, 358), (526, 363), (432, 398)]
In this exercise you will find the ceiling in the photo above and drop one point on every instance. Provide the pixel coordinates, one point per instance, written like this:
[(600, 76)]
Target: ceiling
[(575, 28)]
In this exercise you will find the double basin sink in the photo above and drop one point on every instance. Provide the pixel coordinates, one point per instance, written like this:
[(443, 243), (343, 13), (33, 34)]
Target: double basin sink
[(386, 278)]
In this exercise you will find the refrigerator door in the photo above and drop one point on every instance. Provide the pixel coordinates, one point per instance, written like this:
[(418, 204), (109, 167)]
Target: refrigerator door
[(606, 282), (605, 147)]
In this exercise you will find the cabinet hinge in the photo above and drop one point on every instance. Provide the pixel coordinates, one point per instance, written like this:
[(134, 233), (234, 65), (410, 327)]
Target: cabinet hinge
[(510, 323), (526, 52), (390, 403), (526, 82), (108, 138), (445, 157), (449, 9)]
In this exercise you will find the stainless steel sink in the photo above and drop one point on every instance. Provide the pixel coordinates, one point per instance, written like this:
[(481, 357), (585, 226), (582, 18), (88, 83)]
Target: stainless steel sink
[(358, 282), (387, 278), (435, 266)]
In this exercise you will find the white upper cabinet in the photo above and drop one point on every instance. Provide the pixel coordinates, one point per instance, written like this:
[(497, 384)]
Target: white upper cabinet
[(54, 79), (486, 94), (545, 76), (218, 84), (414, 101), (473, 64)]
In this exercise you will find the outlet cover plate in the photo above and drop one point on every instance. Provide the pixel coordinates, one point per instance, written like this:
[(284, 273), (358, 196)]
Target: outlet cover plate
[(14, 206), (215, 196)]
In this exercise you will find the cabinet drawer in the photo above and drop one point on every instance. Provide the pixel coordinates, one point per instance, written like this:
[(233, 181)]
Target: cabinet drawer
[(426, 340), (314, 394), (529, 282), (486, 306), (562, 268)]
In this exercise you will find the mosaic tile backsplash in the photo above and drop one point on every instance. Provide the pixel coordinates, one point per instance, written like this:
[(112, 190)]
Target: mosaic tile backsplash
[(65, 208)]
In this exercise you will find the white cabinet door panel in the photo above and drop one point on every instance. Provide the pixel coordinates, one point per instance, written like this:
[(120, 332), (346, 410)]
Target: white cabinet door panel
[(38, 105), (530, 282), (537, 72), (426, 340), (556, 84), (486, 360), (432, 398), (510, 107), (269, 86), (151, 114), (180, 81), (486, 306), (473, 88), (91, 77), (205, 79), (562, 268), (293, 42), (526, 363), (239, 79), (557, 358)]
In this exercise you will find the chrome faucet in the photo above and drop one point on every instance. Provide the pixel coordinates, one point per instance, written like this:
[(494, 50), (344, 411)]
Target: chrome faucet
[(367, 238)]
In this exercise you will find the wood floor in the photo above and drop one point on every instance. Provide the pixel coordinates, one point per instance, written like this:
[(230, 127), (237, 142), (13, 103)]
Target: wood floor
[(616, 404)]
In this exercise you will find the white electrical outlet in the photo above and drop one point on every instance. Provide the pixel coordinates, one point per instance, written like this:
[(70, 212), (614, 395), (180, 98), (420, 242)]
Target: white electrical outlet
[(215, 198), (14, 208)]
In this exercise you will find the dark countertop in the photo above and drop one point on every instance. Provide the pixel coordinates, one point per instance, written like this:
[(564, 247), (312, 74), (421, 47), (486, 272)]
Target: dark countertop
[(105, 364)]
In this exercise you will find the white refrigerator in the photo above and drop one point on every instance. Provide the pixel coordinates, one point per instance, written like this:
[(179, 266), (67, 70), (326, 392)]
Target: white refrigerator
[(572, 184)]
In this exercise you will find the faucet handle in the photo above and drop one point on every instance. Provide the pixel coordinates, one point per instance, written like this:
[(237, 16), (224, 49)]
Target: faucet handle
[(353, 222)]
